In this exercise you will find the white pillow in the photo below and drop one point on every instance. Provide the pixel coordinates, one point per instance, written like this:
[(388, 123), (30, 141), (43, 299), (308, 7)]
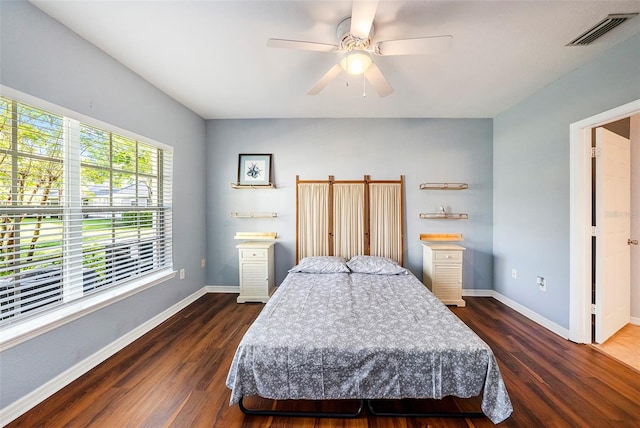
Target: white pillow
[(375, 265), (321, 264)]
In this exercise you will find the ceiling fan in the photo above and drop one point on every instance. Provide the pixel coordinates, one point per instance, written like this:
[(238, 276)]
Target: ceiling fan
[(355, 41)]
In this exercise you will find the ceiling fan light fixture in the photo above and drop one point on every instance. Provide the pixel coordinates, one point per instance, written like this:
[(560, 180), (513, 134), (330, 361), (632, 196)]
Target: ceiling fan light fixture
[(356, 63)]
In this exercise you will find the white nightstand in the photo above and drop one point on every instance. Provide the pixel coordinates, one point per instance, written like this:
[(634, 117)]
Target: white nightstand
[(442, 271), (257, 274)]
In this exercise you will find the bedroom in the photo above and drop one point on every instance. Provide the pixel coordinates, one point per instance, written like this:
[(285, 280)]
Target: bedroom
[(502, 157)]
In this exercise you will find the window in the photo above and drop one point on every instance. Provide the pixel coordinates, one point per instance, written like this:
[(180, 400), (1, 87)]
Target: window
[(82, 210)]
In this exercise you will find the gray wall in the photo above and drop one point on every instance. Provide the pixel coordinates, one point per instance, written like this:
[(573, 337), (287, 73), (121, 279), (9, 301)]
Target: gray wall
[(423, 150), (44, 59), (531, 177)]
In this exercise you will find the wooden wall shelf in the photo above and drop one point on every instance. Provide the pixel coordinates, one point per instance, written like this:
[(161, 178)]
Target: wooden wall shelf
[(256, 236), (441, 237), (443, 186), (444, 216), (254, 215), (251, 186)]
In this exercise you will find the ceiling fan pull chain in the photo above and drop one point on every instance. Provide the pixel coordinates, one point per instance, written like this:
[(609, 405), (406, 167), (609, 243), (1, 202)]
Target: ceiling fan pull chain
[(364, 86)]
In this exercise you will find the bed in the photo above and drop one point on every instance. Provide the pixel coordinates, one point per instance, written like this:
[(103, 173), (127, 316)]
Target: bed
[(349, 322), (363, 336)]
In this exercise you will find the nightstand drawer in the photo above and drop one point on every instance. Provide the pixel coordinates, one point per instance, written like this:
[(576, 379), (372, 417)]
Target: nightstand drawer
[(253, 253), (448, 256)]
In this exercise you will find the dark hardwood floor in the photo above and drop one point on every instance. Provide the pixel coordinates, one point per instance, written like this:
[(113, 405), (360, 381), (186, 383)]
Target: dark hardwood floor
[(175, 375)]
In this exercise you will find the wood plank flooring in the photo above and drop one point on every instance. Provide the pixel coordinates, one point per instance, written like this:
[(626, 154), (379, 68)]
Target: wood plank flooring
[(174, 376), (624, 346)]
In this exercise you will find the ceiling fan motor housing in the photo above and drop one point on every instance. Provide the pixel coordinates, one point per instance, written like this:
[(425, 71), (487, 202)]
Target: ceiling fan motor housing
[(348, 42)]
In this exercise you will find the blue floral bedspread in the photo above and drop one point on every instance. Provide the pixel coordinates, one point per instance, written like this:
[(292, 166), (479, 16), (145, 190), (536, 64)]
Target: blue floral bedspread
[(346, 336)]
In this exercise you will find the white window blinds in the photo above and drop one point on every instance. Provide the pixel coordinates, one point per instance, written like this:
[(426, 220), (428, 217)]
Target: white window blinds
[(82, 209)]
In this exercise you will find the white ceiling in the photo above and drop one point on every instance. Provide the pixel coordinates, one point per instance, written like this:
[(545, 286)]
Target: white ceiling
[(212, 56)]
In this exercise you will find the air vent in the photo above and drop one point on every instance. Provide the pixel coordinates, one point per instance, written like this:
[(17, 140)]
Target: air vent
[(601, 28)]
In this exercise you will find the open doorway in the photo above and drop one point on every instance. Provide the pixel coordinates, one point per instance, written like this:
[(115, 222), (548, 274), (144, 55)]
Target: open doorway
[(580, 328), (615, 334)]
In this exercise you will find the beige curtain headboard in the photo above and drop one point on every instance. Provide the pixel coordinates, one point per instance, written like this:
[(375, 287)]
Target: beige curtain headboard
[(312, 219), (386, 220), (350, 217)]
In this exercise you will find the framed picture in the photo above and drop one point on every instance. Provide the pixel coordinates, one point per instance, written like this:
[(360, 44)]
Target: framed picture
[(254, 169)]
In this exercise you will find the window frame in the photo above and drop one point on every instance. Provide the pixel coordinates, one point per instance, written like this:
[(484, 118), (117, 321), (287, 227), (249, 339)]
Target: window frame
[(31, 326)]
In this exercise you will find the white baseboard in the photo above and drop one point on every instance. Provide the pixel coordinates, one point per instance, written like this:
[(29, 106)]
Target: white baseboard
[(539, 319), (544, 322), (635, 321), (32, 399), (222, 289), (472, 292)]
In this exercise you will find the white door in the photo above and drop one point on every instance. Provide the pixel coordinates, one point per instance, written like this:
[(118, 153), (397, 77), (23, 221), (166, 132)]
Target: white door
[(613, 255)]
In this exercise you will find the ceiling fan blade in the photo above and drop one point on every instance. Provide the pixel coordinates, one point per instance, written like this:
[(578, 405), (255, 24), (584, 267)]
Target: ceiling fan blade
[(300, 45), (324, 80), (375, 77), (362, 15), (419, 46)]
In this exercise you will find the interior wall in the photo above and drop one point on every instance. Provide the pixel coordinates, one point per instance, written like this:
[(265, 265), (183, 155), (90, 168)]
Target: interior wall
[(531, 177), (42, 58), (423, 150), (621, 127)]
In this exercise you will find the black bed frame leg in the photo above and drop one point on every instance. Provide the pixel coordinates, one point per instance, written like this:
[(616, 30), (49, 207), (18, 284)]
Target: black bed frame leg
[(342, 415), (373, 412)]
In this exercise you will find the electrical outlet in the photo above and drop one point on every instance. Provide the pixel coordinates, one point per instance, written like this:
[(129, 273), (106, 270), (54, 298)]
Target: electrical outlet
[(182, 274), (542, 283), (514, 274), (203, 263)]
